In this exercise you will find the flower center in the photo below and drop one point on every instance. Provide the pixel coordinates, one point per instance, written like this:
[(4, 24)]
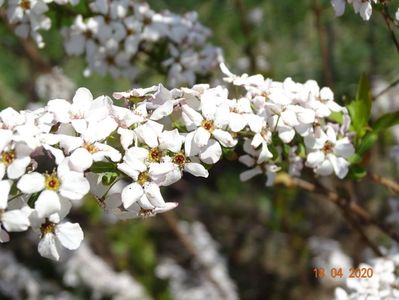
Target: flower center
[(91, 148), (155, 155), (145, 213), (143, 178), (208, 125), (25, 4), (7, 157), (328, 147), (52, 182), (179, 159), (47, 227)]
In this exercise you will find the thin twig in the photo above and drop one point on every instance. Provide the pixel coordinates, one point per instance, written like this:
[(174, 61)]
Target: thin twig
[(333, 197), (324, 49), (171, 219), (386, 89), (388, 183), (388, 22)]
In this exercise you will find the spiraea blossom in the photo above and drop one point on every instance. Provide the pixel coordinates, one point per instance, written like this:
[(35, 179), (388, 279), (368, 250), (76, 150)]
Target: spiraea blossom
[(362, 7), (54, 156)]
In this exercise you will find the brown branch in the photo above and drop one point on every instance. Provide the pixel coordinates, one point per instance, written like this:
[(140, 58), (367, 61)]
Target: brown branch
[(171, 220), (388, 183), (343, 203), (324, 49), (29, 48), (389, 22)]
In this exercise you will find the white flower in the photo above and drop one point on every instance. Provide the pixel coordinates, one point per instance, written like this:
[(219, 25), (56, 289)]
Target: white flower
[(329, 154), (53, 188), (67, 234)]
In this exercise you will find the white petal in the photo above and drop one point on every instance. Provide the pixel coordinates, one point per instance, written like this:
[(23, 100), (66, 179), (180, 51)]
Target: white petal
[(5, 138), (47, 203), (170, 140), (127, 137), (5, 186), (168, 206), (153, 194), (224, 138), (190, 148), (247, 160), (74, 186), (2, 170), (18, 167), (237, 122), (196, 169), (145, 203), (48, 247), (31, 183), (201, 137), (264, 154), (344, 148), (212, 152), (315, 158), (246, 175), (15, 220), (162, 111), (325, 168), (69, 234), (131, 194), (340, 165), (70, 143), (80, 160), (285, 133)]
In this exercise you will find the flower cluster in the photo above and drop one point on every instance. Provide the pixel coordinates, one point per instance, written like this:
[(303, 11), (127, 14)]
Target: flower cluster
[(382, 285), (124, 154), (114, 35), (362, 7), (29, 17), (120, 30)]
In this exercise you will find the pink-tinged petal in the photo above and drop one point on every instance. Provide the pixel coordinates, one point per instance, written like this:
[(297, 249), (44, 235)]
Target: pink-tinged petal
[(18, 167), (4, 237), (5, 186), (201, 137), (131, 194), (31, 183), (48, 247), (69, 234), (80, 160), (196, 169), (246, 175), (212, 153), (153, 194), (74, 185), (47, 203), (15, 220)]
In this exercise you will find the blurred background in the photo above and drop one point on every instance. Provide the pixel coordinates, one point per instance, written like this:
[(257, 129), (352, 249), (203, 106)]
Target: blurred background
[(227, 239)]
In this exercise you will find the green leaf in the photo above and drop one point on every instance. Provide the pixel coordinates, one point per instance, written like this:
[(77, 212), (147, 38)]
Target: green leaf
[(356, 172), (103, 167), (109, 177), (386, 121), (360, 108), (367, 142)]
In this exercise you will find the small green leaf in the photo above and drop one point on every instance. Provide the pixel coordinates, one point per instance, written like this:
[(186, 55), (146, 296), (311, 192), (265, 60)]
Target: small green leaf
[(109, 177), (367, 142), (357, 172), (360, 108), (103, 167), (386, 121), (337, 117)]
